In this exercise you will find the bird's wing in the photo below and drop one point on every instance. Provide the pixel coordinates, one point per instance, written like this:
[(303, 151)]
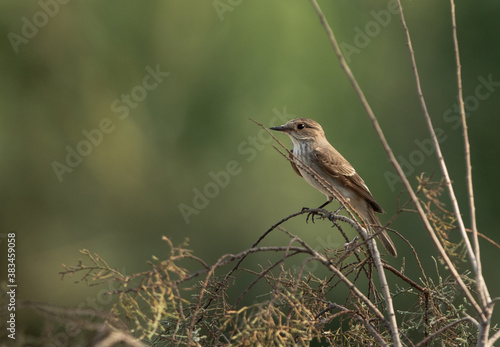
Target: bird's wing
[(337, 166)]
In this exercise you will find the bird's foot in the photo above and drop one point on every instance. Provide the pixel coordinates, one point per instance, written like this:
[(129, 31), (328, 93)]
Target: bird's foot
[(310, 214)]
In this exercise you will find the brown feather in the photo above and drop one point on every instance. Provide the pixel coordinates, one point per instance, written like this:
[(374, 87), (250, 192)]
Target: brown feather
[(337, 166), (384, 238)]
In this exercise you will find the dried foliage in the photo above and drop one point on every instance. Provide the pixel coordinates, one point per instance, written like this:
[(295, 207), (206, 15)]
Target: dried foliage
[(232, 303), (442, 220)]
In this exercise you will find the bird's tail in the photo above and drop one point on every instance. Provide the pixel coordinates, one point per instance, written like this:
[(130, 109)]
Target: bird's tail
[(383, 236)]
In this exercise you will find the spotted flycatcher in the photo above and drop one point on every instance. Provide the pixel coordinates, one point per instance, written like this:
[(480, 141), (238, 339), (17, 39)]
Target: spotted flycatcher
[(311, 148)]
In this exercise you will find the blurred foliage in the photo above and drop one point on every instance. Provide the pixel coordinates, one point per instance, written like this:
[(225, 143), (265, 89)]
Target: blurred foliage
[(256, 60)]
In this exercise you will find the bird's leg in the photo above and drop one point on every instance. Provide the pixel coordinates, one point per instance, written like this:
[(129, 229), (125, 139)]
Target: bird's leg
[(311, 214), (326, 203)]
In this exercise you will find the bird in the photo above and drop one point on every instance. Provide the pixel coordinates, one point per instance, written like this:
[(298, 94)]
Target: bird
[(311, 147)]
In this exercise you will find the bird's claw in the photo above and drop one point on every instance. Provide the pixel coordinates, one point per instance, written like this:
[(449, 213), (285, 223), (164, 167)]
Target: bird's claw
[(310, 214)]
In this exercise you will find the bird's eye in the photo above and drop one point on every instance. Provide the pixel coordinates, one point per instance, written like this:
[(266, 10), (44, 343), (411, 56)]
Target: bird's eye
[(301, 126)]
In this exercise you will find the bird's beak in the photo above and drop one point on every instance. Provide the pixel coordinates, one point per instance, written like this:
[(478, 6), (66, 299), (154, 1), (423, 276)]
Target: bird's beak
[(280, 128)]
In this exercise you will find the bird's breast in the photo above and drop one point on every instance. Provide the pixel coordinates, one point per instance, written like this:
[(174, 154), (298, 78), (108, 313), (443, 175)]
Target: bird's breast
[(304, 154)]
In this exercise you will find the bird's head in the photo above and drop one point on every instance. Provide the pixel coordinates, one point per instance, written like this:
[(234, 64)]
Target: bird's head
[(302, 130)]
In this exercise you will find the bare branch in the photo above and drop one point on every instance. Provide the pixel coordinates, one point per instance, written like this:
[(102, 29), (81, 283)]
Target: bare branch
[(447, 180), (406, 278), (444, 169), (481, 285)]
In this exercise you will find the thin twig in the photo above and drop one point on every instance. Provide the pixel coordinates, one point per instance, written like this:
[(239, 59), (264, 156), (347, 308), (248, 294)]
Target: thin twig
[(481, 285), (487, 239), (444, 169), (443, 329), (363, 321), (222, 261), (406, 278), (493, 338), (228, 258), (346, 281), (253, 246), (263, 274)]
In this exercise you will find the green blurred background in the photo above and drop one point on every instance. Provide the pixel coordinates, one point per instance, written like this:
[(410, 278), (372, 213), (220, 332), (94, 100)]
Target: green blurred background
[(227, 61)]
